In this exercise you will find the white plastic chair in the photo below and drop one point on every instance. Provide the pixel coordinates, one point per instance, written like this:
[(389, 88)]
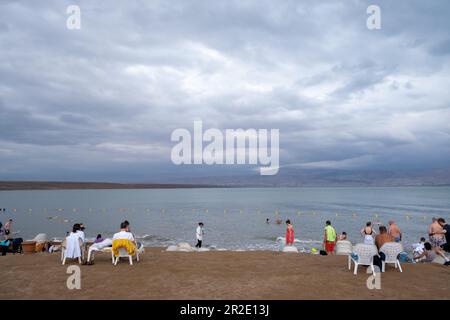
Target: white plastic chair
[(91, 253), (364, 256), (391, 250), (123, 253), (63, 251), (344, 248)]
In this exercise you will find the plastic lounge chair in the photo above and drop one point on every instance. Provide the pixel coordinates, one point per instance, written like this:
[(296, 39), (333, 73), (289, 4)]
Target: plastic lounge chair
[(123, 253), (95, 248), (362, 255), (391, 251), (344, 248)]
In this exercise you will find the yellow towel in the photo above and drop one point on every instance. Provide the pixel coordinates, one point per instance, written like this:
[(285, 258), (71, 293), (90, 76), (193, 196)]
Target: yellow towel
[(123, 243)]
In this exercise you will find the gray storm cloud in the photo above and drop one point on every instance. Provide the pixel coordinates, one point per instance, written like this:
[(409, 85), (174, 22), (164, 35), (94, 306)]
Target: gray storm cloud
[(102, 101)]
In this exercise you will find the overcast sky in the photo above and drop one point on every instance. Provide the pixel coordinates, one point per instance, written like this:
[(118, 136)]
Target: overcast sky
[(100, 103)]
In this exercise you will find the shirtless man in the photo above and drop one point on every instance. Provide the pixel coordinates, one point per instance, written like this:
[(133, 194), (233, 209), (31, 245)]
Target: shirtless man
[(383, 237), (394, 231), (436, 233)]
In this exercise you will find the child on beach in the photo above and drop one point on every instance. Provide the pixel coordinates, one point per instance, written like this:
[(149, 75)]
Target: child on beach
[(289, 233)]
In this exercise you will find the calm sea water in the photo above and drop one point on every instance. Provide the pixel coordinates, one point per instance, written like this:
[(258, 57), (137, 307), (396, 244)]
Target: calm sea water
[(234, 218)]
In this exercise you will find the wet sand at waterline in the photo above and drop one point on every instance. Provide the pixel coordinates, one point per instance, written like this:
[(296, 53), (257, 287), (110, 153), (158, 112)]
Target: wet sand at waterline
[(216, 275)]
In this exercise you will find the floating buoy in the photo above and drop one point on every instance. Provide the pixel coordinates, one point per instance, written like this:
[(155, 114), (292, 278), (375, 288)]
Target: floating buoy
[(14, 210), (241, 211), (225, 211), (376, 215), (74, 210), (206, 210), (354, 215), (298, 212)]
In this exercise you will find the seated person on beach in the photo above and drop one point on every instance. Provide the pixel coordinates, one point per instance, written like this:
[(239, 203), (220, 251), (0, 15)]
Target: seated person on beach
[(383, 237), (368, 233), (446, 227), (7, 229), (418, 249), (342, 236), (436, 233), (430, 253), (124, 232), (73, 245), (394, 231), (99, 239), (138, 244), (80, 232)]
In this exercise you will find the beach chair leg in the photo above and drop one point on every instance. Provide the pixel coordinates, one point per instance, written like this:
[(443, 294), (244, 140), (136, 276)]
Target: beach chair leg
[(79, 260), (349, 263), (64, 260), (356, 268), (137, 256), (89, 256), (383, 266), (373, 269), (131, 260), (399, 266)]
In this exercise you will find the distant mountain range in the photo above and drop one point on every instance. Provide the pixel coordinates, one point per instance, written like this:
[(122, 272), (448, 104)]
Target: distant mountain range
[(287, 177)]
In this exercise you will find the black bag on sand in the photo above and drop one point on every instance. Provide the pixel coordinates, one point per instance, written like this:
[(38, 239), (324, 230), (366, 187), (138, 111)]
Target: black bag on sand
[(323, 253)]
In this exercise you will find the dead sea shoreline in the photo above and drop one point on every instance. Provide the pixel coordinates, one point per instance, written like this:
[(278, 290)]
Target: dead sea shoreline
[(252, 275)]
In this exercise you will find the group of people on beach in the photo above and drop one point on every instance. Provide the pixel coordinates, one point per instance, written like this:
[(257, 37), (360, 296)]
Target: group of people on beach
[(76, 244), (438, 244)]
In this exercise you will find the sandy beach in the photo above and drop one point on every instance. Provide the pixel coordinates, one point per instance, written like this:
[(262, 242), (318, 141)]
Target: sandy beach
[(216, 275)]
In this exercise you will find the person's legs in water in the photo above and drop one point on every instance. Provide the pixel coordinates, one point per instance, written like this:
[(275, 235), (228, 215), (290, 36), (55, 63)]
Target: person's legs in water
[(199, 244)]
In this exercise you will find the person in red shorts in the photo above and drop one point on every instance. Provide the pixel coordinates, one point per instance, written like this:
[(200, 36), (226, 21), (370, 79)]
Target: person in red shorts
[(329, 238)]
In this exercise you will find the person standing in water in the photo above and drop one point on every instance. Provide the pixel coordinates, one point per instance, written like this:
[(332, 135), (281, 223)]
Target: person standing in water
[(395, 231), (289, 233), (199, 235), (368, 233)]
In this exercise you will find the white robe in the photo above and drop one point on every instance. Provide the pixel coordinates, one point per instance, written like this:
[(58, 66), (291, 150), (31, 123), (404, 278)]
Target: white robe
[(73, 247)]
